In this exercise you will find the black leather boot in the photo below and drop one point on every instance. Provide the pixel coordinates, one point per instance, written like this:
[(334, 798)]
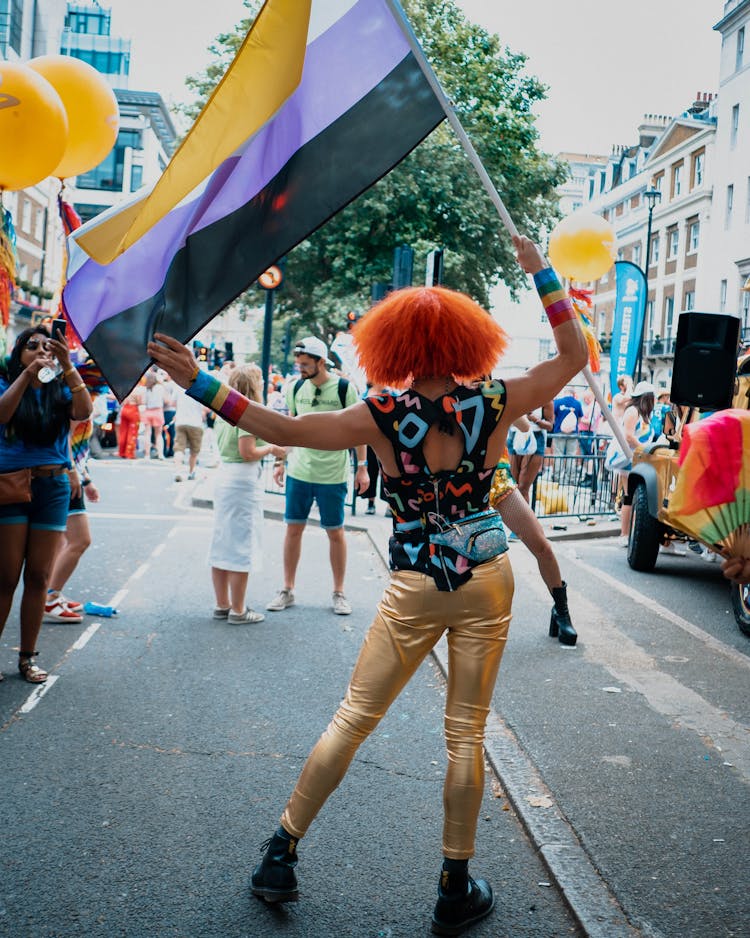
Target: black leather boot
[(274, 878), (461, 903), (560, 626)]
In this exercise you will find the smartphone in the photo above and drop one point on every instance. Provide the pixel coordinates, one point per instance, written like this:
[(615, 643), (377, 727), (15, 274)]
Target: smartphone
[(59, 328)]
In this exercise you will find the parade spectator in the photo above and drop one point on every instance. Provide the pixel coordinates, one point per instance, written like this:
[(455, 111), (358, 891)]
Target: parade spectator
[(526, 467), (636, 425), (34, 426), (236, 545), (99, 416), (129, 425), (568, 412), (189, 418), (171, 392), (77, 537), (316, 475), (153, 414), (588, 427), (438, 434), (621, 400), (662, 408)]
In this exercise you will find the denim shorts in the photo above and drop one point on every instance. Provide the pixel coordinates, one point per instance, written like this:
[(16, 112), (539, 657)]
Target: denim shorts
[(301, 495), (48, 508)]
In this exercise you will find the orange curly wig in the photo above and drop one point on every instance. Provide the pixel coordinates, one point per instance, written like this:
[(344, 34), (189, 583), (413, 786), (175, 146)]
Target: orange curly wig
[(424, 332)]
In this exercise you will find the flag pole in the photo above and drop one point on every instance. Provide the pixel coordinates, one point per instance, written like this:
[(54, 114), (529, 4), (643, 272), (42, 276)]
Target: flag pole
[(471, 153)]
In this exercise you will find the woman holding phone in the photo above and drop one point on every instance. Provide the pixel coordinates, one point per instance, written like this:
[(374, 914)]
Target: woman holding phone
[(36, 406)]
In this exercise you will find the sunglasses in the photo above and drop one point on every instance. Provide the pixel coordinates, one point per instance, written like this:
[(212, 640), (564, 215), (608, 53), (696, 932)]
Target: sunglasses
[(33, 344), (316, 397)]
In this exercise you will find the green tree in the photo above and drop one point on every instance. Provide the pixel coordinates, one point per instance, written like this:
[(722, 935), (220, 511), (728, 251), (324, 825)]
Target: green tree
[(434, 197)]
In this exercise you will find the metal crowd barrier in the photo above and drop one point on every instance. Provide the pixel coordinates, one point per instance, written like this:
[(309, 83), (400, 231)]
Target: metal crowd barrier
[(573, 480)]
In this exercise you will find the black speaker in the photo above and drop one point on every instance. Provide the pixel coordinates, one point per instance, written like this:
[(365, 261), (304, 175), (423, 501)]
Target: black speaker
[(705, 360)]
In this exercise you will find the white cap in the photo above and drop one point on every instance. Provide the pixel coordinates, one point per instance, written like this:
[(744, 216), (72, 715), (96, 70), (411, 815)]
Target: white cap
[(643, 387), (312, 346)]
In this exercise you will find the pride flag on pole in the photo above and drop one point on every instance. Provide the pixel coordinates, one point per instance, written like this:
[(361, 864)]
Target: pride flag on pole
[(323, 98)]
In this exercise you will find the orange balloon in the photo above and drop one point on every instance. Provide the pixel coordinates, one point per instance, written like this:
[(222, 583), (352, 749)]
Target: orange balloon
[(91, 106), (33, 127), (582, 246)]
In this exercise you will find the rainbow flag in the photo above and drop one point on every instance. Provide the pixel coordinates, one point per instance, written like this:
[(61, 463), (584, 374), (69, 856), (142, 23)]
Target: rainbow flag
[(323, 98)]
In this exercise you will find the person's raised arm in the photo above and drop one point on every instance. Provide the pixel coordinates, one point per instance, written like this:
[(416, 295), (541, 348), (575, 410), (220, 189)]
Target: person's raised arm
[(332, 430), (542, 382)]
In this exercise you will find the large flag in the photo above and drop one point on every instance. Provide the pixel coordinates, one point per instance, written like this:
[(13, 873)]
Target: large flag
[(630, 309), (328, 97)]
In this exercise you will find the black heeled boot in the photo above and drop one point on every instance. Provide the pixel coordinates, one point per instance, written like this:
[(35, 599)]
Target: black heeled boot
[(560, 626), (274, 879), (461, 900)]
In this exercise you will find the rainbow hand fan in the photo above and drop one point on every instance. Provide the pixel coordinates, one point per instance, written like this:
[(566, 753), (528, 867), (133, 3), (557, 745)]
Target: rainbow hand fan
[(711, 499)]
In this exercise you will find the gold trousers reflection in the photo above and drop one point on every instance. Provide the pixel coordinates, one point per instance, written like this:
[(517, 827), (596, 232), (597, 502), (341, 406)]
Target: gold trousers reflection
[(411, 617)]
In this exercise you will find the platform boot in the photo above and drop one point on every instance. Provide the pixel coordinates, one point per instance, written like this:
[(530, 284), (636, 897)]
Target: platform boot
[(274, 879), (560, 626), (461, 900)]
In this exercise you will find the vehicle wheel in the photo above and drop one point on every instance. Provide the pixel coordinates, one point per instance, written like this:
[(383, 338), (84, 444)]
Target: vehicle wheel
[(741, 606), (645, 533)]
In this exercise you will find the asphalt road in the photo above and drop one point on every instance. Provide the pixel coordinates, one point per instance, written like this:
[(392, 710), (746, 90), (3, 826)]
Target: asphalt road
[(138, 788)]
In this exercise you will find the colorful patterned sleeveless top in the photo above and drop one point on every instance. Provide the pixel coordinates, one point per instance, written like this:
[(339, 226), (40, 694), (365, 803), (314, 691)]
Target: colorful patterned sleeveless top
[(405, 417)]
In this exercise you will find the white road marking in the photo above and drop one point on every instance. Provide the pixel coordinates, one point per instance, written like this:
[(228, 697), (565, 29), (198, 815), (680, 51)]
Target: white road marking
[(139, 572), (84, 637), (36, 695), (652, 605)]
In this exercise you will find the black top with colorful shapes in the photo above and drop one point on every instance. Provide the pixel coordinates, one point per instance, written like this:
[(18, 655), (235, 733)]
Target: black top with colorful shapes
[(417, 493)]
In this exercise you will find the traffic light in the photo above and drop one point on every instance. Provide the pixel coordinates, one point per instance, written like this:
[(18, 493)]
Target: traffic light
[(285, 344), (403, 267), (434, 269), (200, 351), (351, 319), (228, 352)]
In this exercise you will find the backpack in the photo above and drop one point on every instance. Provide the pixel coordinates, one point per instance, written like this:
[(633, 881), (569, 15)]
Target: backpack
[(342, 389)]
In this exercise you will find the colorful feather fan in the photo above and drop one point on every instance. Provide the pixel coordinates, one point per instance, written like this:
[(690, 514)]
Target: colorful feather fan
[(711, 500), (582, 303)]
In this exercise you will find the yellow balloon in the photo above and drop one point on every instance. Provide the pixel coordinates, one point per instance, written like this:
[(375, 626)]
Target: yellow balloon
[(582, 246), (91, 106), (33, 127)]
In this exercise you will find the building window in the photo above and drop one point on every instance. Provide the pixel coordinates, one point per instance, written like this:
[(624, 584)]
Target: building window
[(654, 259), (740, 48), (735, 126), (668, 315), (730, 204), (745, 304), (689, 302), (15, 28), (637, 254), (694, 232), (650, 317), (698, 169), (657, 181), (108, 63), (677, 181), (723, 296), (26, 216), (673, 243), (109, 174), (39, 227), (747, 202)]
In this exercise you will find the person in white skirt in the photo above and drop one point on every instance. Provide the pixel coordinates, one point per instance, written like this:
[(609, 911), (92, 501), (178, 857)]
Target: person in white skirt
[(235, 550)]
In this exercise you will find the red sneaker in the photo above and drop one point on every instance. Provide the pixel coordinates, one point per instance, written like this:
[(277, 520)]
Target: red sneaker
[(55, 611), (70, 603)]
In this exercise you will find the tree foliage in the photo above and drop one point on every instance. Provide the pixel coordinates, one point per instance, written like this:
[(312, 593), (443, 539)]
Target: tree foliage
[(434, 197)]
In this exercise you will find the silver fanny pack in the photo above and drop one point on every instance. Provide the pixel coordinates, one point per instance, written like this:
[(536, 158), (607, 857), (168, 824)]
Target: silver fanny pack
[(479, 537)]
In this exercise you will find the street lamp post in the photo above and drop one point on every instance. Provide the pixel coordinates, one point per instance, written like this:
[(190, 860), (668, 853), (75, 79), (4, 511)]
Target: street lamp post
[(652, 196)]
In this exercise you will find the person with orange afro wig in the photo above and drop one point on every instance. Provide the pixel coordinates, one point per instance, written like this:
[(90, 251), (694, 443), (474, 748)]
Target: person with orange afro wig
[(437, 443)]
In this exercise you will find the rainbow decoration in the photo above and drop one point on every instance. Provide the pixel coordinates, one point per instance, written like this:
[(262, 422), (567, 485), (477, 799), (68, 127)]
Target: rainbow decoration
[(711, 500), (7, 264), (582, 303)]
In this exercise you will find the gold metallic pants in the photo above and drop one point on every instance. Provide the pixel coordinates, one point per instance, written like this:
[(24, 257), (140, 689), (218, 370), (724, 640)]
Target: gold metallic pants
[(411, 617)]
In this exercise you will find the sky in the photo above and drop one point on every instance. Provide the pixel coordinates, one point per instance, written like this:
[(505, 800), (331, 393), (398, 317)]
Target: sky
[(606, 64)]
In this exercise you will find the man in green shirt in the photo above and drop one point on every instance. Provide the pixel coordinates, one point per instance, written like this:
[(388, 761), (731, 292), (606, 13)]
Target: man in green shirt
[(315, 475)]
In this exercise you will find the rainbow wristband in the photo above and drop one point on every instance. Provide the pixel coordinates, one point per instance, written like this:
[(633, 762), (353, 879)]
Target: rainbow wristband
[(228, 403), (555, 300)]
